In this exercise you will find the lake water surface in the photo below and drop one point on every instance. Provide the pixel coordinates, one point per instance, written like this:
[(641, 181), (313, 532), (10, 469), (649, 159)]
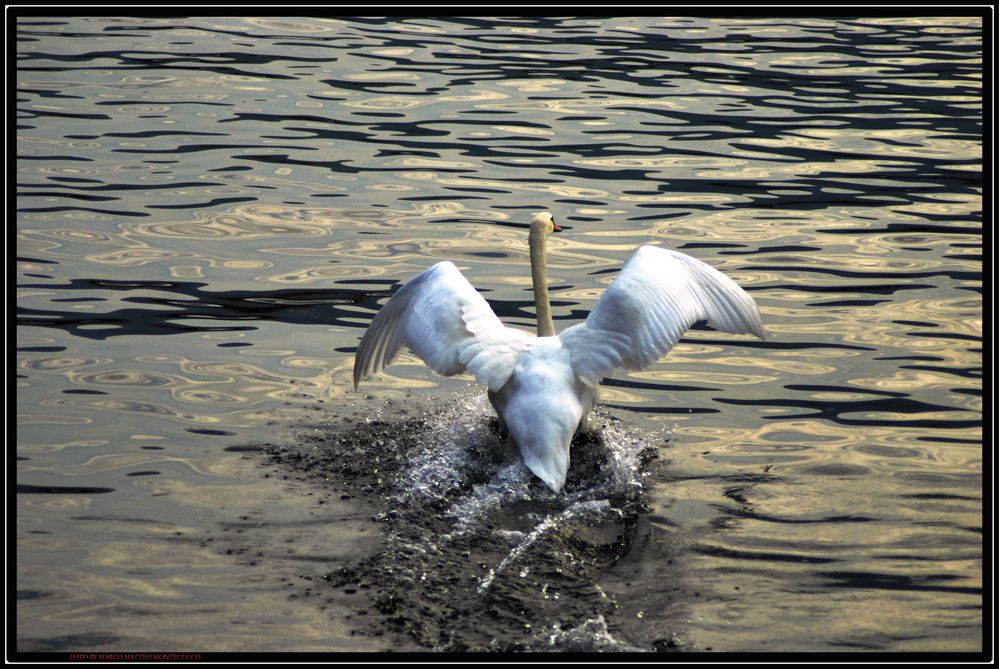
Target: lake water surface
[(211, 210)]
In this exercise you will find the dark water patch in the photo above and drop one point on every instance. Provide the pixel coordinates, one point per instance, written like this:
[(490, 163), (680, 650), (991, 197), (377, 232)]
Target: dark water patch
[(798, 248), (35, 113), (24, 488), (786, 270), (662, 409), (837, 411), (579, 172), (969, 373), (477, 554), (946, 335), (209, 432), (926, 358), (836, 469), (907, 228), (37, 260), (124, 322), (935, 495), (112, 187), (121, 60), (216, 202), (806, 387), (628, 383), (197, 148), (109, 212), (32, 594), (196, 303), (702, 326), (247, 448), (874, 289), (948, 440), (745, 511), (857, 580), (54, 157), (69, 643), (918, 324), (717, 551)]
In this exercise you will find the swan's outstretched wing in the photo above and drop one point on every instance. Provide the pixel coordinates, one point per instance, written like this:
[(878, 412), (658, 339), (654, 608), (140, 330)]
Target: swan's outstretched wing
[(448, 324), (657, 296)]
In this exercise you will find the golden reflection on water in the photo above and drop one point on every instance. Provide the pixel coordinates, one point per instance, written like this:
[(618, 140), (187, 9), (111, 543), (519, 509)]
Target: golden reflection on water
[(158, 582)]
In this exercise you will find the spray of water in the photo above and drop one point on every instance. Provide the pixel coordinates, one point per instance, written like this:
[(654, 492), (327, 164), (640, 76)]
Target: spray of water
[(478, 553)]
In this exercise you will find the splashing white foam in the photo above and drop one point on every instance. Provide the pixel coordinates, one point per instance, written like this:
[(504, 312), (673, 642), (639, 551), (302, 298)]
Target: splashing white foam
[(459, 449), (591, 635), (452, 431), (456, 484)]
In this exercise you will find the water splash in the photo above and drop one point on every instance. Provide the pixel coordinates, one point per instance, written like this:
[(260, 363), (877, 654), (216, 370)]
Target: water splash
[(478, 554), (592, 635), (589, 509)]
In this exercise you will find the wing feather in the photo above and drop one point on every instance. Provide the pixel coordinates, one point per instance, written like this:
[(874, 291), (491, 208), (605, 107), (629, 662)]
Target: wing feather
[(441, 318), (658, 296)]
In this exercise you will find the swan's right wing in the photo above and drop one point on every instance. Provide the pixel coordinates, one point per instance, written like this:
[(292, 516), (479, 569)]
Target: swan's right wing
[(658, 296), (446, 322)]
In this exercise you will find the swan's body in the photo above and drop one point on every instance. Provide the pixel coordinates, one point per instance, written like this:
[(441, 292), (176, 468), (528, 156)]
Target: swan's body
[(544, 387)]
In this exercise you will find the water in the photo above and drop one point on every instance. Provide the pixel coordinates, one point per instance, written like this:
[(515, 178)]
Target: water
[(210, 210)]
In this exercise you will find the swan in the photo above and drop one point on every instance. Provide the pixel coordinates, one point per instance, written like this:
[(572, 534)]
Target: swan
[(543, 387)]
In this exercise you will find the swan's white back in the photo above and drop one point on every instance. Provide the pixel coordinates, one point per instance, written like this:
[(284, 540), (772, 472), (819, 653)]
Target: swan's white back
[(544, 387)]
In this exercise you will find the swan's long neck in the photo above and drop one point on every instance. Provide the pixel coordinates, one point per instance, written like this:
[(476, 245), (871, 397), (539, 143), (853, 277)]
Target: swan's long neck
[(536, 240)]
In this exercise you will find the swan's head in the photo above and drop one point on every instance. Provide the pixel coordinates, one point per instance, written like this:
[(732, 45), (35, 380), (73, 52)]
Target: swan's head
[(544, 223)]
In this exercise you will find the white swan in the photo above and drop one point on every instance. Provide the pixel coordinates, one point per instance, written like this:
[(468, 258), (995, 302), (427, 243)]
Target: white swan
[(544, 387)]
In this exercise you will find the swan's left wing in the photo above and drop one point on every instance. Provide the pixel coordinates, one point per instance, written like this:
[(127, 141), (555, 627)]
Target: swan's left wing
[(446, 322), (657, 296)]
